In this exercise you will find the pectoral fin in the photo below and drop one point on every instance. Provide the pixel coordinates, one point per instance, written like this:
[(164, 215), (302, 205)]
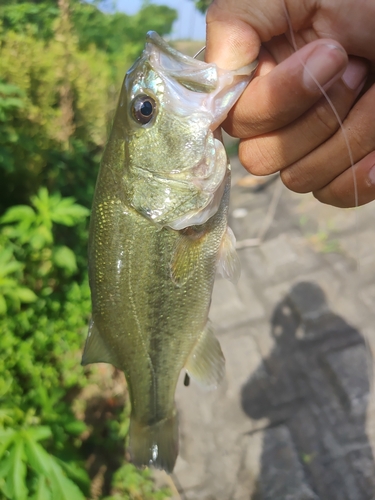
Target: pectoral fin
[(182, 263), (186, 255), (95, 350), (206, 362), (228, 264)]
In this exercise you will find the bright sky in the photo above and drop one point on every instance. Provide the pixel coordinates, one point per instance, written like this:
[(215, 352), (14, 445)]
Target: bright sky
[(190, 23)]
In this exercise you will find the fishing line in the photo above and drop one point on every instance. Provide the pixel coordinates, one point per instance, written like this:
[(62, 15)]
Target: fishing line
[(345, 135), (270, 215), (369, 349), (199, 52)]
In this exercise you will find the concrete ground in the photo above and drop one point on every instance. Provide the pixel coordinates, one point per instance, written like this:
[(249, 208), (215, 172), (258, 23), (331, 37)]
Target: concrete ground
[(294, 419)]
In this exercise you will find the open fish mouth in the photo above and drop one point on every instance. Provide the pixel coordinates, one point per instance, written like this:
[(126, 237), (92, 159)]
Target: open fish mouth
[(215, 91), (220, 88)]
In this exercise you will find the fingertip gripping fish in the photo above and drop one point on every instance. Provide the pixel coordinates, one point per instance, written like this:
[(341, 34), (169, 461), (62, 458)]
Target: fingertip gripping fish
[(158, 234)]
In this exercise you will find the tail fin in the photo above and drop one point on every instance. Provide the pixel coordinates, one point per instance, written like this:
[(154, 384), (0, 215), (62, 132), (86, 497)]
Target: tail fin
[(155, 445)]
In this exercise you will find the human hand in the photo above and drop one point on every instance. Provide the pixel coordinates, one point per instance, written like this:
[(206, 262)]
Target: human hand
[(282, 119)]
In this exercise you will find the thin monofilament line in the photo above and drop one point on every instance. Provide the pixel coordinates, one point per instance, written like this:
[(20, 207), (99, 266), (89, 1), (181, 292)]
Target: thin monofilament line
[(345, 135), (369, 351), (199, 52)]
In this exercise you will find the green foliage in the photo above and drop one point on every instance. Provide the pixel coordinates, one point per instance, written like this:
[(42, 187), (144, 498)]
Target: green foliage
[(37, 16), (10, 100), (33, 150), (10, 289), (133, 484), (42, 451), (109, 32), (119, 34), (202, 5), (36, 364), (40, 57), (35, 225), (22, 454)]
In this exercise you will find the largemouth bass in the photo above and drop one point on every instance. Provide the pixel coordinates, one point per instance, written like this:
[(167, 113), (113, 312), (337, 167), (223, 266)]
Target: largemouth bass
[(158, 234)]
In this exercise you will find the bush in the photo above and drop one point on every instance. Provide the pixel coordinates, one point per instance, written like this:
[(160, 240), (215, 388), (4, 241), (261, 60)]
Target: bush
[(44, 311)]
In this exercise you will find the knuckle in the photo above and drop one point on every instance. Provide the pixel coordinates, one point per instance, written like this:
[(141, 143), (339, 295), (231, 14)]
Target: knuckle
[(256, 158), (326, 119), (332, 194), (294, 180)]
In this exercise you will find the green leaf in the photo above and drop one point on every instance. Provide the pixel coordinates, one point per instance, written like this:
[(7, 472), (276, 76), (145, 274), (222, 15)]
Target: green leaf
[(25, 295), (17, 213), (68, 215), (6, 438), (5, 466), (3, 305), (41, 200), (15, 487), (42, 490), (10, 268), (37, 241), (62, 487), (6, 414), (37, 456), (75, 473), (64, 257), (39, 433), (9, 89), (6, 255), (76, 427)]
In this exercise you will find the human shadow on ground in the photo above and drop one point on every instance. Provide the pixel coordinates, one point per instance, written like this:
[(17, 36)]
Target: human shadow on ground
[(313, 388)]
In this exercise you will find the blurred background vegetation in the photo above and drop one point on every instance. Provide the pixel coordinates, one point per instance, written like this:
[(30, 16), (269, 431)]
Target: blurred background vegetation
[(62, 428)]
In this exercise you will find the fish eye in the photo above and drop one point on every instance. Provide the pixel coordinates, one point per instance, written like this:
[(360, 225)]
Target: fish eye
[(143, 108)]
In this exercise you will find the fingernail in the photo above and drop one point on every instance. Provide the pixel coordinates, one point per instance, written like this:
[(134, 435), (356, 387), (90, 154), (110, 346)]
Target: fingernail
[(323, 64), (371, 176), (355, 73)]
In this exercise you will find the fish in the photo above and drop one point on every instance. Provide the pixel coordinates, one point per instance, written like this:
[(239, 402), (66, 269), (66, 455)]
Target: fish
[(158, 235)]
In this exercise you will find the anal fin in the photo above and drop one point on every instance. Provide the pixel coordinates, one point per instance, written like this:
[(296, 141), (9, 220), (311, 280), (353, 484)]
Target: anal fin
[(95, 350), (206, 362)]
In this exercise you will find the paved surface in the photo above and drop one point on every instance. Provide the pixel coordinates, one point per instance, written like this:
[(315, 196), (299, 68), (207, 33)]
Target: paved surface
[(294, 419)]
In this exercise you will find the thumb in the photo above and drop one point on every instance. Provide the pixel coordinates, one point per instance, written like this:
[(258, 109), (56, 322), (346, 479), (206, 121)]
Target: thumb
[(231, 42), (236, 28)]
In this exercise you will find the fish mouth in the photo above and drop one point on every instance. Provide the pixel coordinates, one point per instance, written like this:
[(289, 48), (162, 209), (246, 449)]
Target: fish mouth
[(193, 74), (218, 88)]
